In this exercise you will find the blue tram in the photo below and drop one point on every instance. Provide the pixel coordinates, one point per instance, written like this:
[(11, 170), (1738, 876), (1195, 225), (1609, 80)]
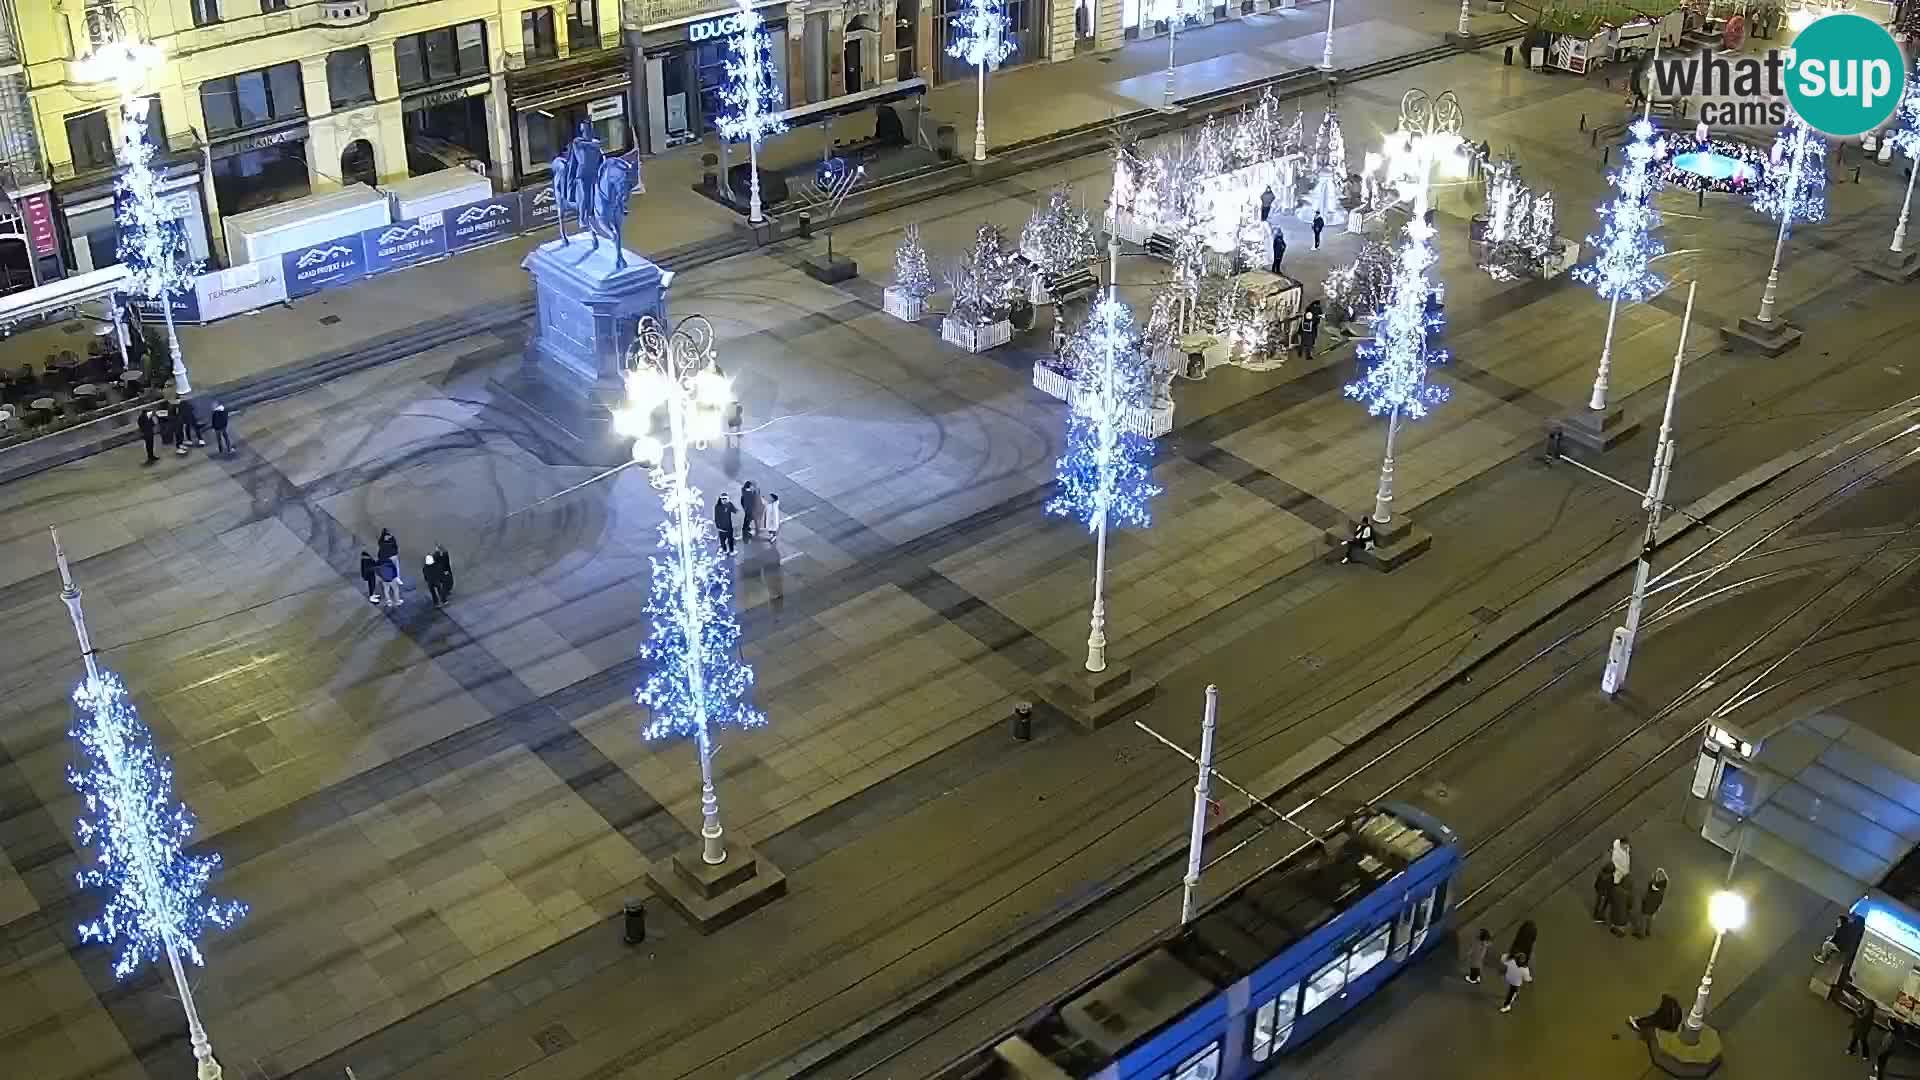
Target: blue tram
[(1258, 972)]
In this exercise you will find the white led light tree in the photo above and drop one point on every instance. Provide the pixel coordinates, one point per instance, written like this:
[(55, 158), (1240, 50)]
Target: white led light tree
[(1395, 384), (1906, 140), (157, 904), (1794, 188), (1625, 246), (152, 243), (981, 37), (696, 681), (751, 97)]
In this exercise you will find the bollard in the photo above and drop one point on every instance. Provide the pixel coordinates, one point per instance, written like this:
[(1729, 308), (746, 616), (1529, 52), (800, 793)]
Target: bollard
[(636, 920), (806, 225), (1509, 60), (1606, 157), (1583, 121), (1594, 139), (1856, 174), (1703, 198), (1022, 721)]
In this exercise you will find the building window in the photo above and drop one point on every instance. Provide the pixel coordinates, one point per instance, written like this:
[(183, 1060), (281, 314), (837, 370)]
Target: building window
[(252, 98), (156, 124), (90, 140), (583, 25), (536, 34), (273, 5), (451, 52), (205, 12), (350, 77)]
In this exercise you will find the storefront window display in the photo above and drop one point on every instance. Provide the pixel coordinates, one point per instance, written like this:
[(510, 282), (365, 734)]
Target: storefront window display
[(261, 171), (1024, 30), (546, 130)]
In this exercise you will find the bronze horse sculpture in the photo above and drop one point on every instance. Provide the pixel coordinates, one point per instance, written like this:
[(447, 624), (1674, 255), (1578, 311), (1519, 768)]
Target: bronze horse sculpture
[(596, 188)]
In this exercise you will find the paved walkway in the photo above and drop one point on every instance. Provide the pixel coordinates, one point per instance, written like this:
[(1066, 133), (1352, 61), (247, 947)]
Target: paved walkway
[(435, 816)]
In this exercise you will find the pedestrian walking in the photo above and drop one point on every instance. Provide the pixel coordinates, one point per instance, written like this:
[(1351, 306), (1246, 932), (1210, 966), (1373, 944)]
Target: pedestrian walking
[(387, 548), (751, 514), (444, 563), (723, 512), (189, 424), (1895, 1031), (1523, 939), (1360, 540), (1651, 900), (773, 518), (1862, 1030), (218, 421), (430, 574), (1266, 203), (1319, 223), (146, 424), (169, 426), (1279, 248), (1665, 1017), (1310, 328), (1620, 906), (370, 573), (1602, 892), (1518, 975), (1477, 954), (390, 582)]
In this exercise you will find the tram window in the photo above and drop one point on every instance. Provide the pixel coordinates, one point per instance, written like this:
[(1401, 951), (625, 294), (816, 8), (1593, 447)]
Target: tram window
[(1368, 954), (1423, 918), (1273, 1022), (1326, 983), (1204, 1065), (1403, 933)]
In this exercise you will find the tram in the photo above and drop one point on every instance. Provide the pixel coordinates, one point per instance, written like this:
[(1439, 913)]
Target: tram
[(1256, 973)]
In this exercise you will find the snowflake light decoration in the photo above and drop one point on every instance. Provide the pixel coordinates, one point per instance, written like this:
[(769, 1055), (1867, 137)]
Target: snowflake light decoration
[(1106, 474), (1400, 353), (1905, 134), (751, 98), (981, 35), (1625, 243), (138, 831), (1795, 185)]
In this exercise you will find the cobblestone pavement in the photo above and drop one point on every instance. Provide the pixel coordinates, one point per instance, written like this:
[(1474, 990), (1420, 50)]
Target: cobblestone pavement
[(435, 814)]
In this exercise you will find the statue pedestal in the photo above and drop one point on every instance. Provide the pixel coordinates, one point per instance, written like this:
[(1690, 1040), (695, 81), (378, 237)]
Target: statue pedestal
[(587, 311)]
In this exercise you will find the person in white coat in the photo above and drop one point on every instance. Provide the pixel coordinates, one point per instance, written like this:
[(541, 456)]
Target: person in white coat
[(773, 515)]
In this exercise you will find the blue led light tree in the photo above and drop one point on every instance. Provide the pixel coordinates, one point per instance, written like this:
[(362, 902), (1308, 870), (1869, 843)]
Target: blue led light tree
[(157, 905), (696, 680), (981, 38), (1625, 245), (1395, 385), (753, 100), (1794, 187), (1105, 476), (1906, 139)]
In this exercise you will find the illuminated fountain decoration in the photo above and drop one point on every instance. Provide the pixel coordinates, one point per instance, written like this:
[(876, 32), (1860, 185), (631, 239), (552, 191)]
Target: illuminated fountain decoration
[(1716, 165)]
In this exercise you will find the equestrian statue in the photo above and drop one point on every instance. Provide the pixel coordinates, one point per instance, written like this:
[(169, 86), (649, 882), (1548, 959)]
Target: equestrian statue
[(596, 188)]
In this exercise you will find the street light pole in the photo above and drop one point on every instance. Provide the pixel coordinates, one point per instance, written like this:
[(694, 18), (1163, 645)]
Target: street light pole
[(1727, 911), (1463, 18), (1620, 652), (1196, 837), (1900, 227), (1794, 168), (1173, 31), (1326, 49), (980, 115)]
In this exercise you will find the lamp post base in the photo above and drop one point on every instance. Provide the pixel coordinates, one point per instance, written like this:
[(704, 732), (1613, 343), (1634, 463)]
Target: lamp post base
[(1889, 266), (1596, 429), (1673, 1055), (1094, 699), (1770, 338), (1394, 544), (711, 895)]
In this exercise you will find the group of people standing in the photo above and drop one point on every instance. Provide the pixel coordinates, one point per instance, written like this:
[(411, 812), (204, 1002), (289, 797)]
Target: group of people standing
[(757, 515), (177, 424), (1615, 905), (381, 572)]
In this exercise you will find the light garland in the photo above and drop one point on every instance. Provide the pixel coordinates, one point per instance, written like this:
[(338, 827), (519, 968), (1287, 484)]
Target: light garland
[(1106, 474), (1625, 243), (751, 98), (1400, 354), (157, 891), (151, 243), (1795, 187), (981, 34)]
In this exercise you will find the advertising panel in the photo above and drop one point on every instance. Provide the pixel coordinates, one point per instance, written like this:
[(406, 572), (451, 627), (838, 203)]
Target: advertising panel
[(247, 287), (538, 208), (324, 265), (404, 243), (186, 307), (483, 222)]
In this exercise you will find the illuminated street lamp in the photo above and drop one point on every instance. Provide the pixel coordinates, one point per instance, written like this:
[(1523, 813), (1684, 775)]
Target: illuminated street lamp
[(1726, 911), (1326, 50), (695, 678)]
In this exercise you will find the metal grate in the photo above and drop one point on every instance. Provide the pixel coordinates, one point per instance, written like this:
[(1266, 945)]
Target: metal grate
[(553, 1038)]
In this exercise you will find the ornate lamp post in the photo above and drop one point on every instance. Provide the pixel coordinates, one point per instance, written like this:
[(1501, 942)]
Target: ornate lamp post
[(696, 680), (1326, 50), (121, 54), (1726, 911)]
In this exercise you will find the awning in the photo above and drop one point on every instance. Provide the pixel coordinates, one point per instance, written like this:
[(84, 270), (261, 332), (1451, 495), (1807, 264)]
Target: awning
[(603, 86), (846, 104), (58, 296)]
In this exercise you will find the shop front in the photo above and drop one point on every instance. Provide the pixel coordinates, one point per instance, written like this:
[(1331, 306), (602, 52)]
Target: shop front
[(446, 128), (549, 105), (261, 168), (1026, 28), (86, 204), (686, 72)]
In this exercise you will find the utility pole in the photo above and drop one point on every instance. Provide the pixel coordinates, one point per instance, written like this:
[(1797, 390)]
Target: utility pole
[(1620, 650), (1197, 837)]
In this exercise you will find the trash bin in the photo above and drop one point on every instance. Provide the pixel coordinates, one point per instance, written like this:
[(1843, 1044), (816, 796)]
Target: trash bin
[(946, 142), (806, 225), (636, 920), (1022, 721)]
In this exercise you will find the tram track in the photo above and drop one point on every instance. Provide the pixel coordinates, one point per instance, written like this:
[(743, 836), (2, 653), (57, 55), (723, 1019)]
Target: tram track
[(1633, 759)]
